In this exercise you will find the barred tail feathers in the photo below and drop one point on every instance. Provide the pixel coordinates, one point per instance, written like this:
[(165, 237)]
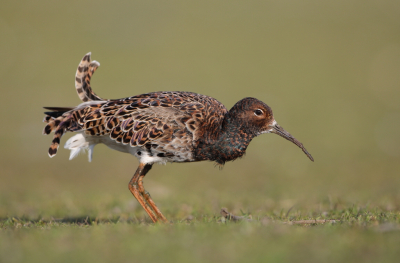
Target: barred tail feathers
[(83, 76), (58, 133), (59, 121), (54, 117), (59, 126), (52, 124)]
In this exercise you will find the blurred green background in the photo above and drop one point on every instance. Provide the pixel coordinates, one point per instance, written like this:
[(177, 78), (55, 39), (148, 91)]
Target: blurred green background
[(330, 70)]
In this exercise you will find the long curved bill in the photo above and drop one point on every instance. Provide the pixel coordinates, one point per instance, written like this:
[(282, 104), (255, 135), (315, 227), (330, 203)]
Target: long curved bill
[(281, 132)]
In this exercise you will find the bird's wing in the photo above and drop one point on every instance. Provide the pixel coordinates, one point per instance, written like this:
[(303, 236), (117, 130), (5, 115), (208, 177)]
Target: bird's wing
[(159, 116)]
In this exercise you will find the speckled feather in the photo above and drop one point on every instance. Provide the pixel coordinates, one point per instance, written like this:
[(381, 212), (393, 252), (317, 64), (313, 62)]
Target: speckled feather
[(168, 123), (83, 75)]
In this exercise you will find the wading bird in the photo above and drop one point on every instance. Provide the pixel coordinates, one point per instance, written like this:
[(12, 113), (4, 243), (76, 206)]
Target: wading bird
[(159, 127)]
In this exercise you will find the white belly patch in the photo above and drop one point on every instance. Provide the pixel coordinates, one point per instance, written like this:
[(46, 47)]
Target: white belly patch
[(82, 142)]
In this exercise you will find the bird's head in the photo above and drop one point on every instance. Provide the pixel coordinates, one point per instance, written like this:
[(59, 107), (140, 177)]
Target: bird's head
[(257, 118)]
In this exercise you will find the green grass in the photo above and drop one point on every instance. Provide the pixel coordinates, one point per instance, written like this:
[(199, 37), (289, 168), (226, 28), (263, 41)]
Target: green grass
[(358, 235)]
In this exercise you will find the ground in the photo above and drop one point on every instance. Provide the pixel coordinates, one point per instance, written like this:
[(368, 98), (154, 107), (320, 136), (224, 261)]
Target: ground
[(358, 234)]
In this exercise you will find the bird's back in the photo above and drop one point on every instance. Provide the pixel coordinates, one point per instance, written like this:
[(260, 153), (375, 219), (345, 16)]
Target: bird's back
[(163, 124)]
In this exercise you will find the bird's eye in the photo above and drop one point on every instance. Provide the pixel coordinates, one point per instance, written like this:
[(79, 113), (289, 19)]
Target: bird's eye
[(258, 112)]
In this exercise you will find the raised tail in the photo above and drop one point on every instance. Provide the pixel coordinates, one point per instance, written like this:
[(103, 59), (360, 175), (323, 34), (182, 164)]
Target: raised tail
[(61, 119), (83, 75)]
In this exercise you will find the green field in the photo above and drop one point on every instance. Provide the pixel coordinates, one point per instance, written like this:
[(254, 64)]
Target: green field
[(329, 70)]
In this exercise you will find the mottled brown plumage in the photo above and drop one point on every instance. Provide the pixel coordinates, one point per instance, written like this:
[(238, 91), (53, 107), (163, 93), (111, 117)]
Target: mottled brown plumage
[(159, 127)]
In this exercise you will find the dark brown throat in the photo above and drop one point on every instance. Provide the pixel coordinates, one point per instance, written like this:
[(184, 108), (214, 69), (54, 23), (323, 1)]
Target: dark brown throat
[(230, 142)]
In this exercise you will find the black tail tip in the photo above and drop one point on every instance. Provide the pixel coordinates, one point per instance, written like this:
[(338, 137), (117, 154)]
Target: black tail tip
[(52, 152)]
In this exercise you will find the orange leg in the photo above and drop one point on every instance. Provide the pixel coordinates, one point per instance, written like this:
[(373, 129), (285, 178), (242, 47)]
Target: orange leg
[(150, 201), (137, 189)]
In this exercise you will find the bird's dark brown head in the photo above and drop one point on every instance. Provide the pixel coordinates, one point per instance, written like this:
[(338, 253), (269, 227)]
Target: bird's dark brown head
[(255, 117)]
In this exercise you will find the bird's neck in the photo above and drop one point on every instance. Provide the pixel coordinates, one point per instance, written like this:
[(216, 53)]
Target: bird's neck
[(230, 142)]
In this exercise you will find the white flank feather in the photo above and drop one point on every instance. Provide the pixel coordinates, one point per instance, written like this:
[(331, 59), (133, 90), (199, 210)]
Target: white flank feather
[(77, 144), (90, 153)]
